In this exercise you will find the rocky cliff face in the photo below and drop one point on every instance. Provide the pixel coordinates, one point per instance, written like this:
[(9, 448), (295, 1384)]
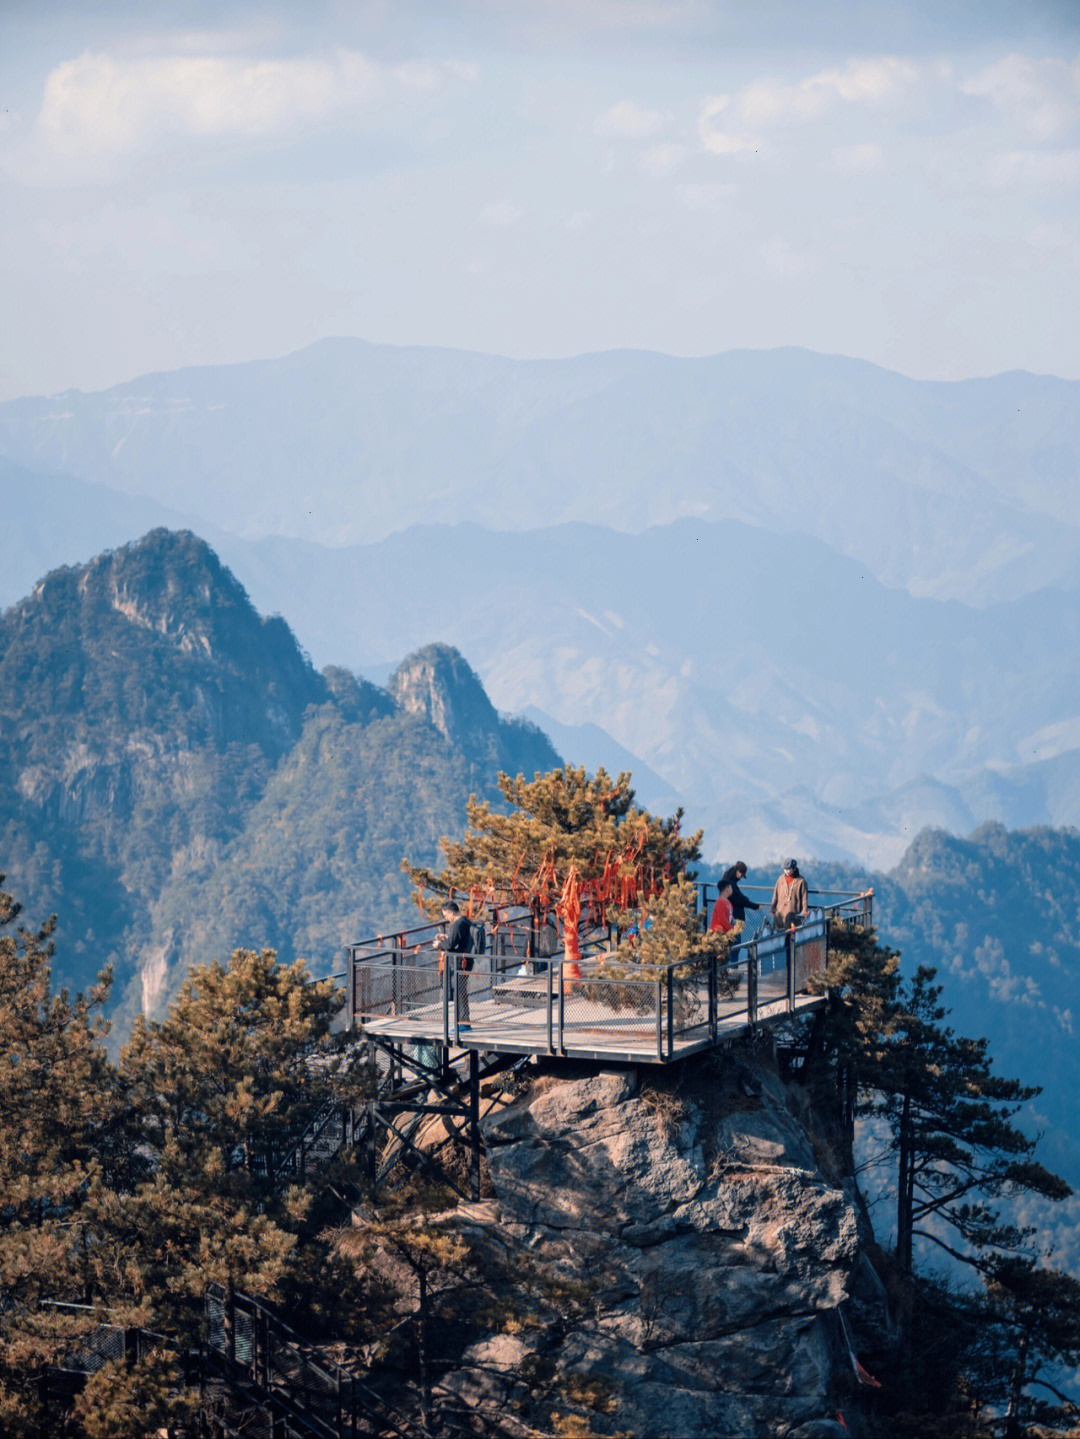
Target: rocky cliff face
[(437, 684), (717, 1252)]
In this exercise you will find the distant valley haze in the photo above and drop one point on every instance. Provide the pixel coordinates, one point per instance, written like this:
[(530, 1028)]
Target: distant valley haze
[(819, 604)]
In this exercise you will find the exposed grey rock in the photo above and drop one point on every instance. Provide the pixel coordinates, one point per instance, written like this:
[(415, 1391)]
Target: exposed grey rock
[(715, 1251)]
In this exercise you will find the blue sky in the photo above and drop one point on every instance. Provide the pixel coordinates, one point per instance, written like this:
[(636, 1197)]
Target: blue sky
[(195, 184)]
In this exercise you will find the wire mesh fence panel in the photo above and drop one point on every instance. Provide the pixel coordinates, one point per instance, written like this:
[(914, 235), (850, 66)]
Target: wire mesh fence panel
[(732, 990), (772, 968), (505, 1007), (752, 925), (94, 1349), (810, 956), (394, 990), (319, 1392), (226, 1411), (598, 1010), (510, 937), (244, 1337), (691, 1011), (214, 1309)]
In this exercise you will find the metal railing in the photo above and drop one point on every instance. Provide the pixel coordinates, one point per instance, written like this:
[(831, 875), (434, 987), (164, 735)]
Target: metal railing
[(605, 1004), (314, 1395), (839, 903), (405, 974), (93, 1343)]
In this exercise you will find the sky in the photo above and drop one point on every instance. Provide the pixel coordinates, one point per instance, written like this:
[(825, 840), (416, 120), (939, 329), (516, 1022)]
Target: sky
[(199, 183)]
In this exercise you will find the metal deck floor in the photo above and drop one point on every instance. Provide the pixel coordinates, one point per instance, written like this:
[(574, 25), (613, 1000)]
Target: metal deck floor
[(514, 1020)]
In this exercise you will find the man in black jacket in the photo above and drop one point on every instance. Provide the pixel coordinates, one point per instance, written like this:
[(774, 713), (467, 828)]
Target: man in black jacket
[(458, 942), (739, 901)]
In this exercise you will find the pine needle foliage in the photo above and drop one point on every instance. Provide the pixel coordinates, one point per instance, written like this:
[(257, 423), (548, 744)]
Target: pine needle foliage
[(220, 1095), (557, 823), (958, 1151), (1032, 1331), (56, 1113)]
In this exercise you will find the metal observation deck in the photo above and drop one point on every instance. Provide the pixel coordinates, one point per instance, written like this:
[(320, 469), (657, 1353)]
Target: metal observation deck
[(608, 1006)]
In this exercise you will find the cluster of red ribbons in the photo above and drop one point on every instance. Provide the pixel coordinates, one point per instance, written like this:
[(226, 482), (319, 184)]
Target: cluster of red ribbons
[(622, 882)]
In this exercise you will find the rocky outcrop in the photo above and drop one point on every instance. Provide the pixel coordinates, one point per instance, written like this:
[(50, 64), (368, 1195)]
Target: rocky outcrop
[(177, 780), (691, 1207), (438, 685)]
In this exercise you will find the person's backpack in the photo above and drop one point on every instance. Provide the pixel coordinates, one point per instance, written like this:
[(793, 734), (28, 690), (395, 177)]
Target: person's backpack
[(479, 937)]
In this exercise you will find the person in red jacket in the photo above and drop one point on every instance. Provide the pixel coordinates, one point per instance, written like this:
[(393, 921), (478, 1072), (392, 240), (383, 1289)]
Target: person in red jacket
[(721, 913)]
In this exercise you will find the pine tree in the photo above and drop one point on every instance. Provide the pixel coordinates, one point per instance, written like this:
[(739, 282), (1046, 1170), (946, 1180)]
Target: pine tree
[(132, 1401), (454, 1275), (959, 1154), (565, 831), (434, 1259), (57, 1104), (220, 1094), (1036, 1310)]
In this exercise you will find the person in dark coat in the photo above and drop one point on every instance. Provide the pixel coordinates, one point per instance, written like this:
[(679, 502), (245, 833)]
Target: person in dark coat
[(458, 941), (739, 901)]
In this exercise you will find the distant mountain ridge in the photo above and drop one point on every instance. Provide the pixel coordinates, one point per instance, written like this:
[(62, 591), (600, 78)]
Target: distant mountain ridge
[(956, 490), (822, 604), (787, 699), (176, 779)]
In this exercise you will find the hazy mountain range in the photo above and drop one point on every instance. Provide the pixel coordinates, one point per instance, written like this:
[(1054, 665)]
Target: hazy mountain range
[(176, 779), (805, 597)]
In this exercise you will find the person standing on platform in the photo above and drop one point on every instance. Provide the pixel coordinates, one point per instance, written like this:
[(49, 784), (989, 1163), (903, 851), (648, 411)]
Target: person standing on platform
[(721, 919), (457, 942), (789, 898), (740, 903)]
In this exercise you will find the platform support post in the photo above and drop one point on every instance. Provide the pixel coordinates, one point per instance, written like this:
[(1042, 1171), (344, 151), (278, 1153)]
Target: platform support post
[(474, 1120), (372, 1150)]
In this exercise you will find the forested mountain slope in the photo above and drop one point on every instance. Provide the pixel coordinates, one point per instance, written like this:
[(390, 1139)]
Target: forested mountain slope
[(998, 914), (176, 778)]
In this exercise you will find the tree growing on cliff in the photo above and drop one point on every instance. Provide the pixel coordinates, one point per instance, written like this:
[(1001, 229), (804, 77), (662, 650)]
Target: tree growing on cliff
[(1029, 1340), (220, 1095), (959, 1155), (570, 842), (57, 1106), (460, 1276)]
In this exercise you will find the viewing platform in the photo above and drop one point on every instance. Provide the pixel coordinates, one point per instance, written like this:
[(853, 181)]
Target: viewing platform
[(605, 1006)]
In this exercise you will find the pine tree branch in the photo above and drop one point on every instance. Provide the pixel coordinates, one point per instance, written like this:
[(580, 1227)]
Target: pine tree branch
[(1065, 1398)]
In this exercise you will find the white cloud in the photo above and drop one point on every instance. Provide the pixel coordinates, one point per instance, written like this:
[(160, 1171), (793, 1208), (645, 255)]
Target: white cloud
[(706, 196), (1042, 96), (119, 103), (720, 142), (1037, 167), (625, 15), (629, 121), (503, 213), (661, 160), (784, 260), (869, 80), (857, 159)]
